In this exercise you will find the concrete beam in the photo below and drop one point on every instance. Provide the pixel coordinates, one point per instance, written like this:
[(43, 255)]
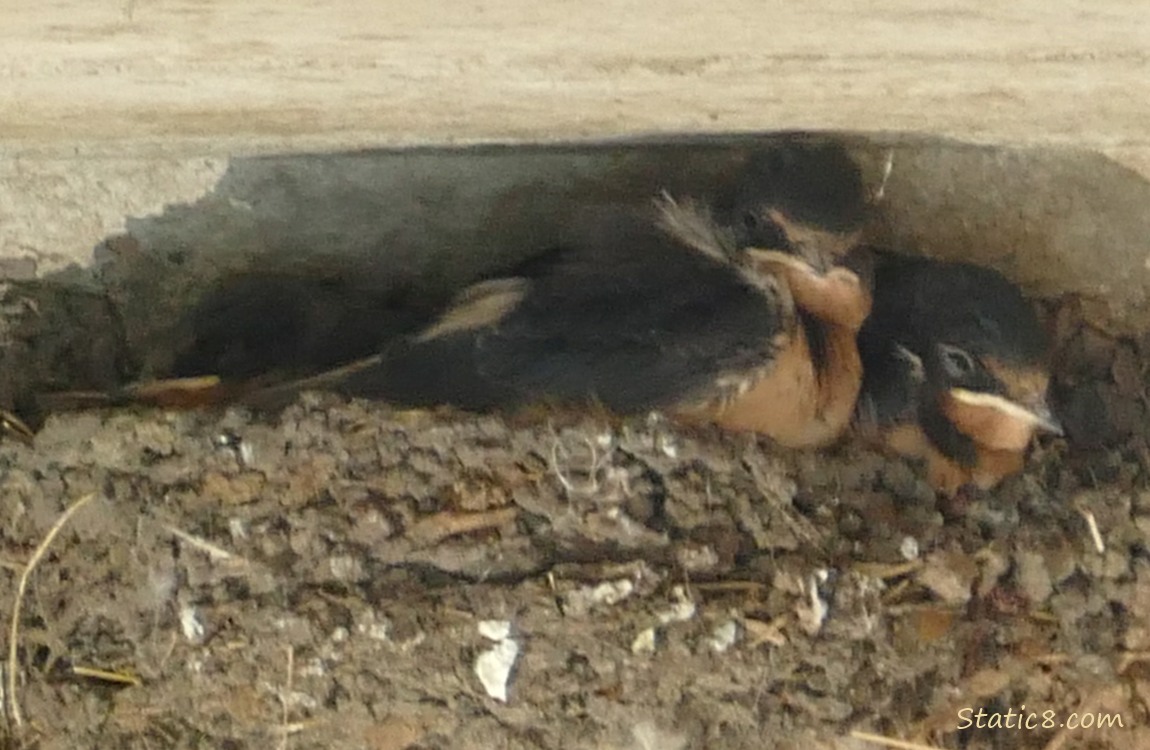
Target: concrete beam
[(201, 76)]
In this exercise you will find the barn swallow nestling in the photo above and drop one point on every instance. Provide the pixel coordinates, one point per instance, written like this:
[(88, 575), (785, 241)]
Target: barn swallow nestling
[(956, 371), (632, 314), (747, 322), (805, 196), (665, 309), (639, 313)]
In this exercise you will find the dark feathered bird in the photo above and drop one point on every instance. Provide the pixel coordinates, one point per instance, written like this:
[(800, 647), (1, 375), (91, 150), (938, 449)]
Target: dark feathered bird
[(956, 370), (804, 196), (635, 310), (636, 314)]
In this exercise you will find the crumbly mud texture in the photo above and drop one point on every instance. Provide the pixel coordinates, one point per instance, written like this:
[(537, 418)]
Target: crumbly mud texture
[(326, 578)]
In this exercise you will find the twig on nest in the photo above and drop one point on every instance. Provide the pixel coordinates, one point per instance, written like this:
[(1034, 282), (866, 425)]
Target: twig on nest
[(14, 626)]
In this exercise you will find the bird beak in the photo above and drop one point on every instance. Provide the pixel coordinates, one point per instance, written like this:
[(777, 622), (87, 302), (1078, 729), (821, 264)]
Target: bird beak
[(1045, 420)]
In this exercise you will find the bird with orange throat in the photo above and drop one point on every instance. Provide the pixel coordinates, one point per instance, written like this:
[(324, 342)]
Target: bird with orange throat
[(743, 314), (957, 368)]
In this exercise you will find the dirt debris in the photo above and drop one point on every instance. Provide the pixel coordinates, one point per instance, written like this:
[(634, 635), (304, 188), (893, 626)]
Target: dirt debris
[(369, 544)]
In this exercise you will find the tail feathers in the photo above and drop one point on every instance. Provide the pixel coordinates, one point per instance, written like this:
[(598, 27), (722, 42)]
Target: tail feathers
[(177, 393), (203, 391), (279, 395)]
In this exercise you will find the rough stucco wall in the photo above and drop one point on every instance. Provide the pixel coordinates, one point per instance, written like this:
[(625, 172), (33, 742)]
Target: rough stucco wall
[(54, 210), (114, 110)]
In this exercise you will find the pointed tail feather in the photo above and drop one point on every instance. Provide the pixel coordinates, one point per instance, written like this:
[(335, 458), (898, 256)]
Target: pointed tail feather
[(176, 393), (278, 395)]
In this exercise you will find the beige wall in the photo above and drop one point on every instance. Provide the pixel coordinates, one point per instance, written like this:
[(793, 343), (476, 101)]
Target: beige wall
[(255, 74)]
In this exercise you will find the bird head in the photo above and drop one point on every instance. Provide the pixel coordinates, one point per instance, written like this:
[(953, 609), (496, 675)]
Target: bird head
[(802, 195), (982, 353), (996, 402)]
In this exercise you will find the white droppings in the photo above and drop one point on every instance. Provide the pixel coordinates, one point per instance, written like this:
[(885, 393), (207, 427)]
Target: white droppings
[(190, 623), (724, 636), (493, 668), (813, 612), (644, 643), (238, 528), (612, 592), (582, 600)]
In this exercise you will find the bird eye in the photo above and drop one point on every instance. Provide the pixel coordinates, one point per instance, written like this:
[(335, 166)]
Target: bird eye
[(957, 363), (761, 231)]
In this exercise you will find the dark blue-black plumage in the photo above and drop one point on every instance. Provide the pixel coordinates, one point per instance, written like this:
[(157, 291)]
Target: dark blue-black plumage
[(623, 313)]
